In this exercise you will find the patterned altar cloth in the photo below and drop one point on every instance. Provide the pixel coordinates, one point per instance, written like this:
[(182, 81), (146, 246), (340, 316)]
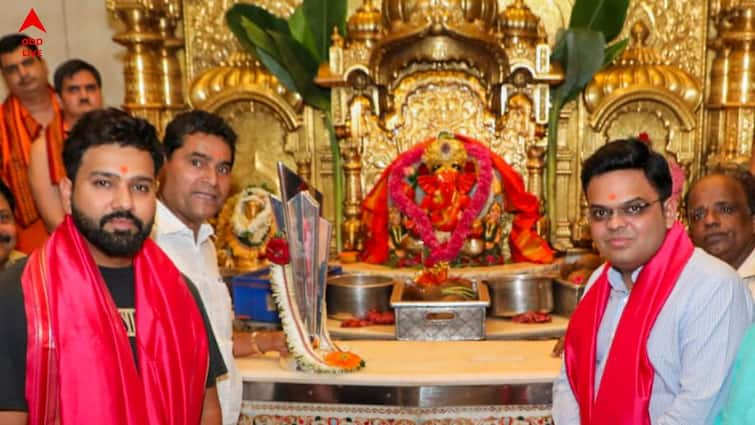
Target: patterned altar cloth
[(285, 413)]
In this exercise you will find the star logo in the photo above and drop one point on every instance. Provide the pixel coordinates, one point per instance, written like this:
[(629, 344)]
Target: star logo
[(32, 20)]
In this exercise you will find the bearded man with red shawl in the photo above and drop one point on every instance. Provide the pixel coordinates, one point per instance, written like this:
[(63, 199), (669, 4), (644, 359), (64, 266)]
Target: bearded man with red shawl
[(98, 326), (654, 336)]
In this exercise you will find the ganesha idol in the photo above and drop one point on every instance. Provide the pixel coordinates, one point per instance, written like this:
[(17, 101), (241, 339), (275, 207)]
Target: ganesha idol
[(443, 201)]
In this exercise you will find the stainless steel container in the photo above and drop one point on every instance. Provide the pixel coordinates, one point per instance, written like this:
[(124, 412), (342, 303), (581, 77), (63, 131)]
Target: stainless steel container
[(520, 293), (353, 295), (565, 296), (440, 320)]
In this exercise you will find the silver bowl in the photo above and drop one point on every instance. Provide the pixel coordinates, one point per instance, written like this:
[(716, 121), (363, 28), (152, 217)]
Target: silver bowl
[(353, 295), (520, 293)]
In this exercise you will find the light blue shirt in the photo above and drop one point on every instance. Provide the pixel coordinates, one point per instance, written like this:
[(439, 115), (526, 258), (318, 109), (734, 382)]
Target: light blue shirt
[(691, 346)]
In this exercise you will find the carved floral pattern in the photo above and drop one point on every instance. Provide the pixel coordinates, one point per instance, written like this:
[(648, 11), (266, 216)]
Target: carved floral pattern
[(210, 43), (282, 413), (677, 29)]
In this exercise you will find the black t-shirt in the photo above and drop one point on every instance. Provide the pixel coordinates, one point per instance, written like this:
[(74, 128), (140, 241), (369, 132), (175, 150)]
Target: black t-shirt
[(120, 283)]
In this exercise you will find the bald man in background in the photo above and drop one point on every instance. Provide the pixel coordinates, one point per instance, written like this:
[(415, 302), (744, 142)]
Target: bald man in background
[(721, 216)]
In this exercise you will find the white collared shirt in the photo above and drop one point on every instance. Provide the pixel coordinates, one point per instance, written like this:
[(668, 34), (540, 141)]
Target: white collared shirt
[(747, 272), (691, 345), (196, 259)]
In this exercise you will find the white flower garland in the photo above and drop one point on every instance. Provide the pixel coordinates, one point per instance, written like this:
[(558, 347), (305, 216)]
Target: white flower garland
[(258, 228), (297, 339)]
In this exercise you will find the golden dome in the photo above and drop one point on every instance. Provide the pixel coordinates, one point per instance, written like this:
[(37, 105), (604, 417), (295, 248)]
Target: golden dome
[(365, 23), (223, 84), (416, 12), (642, 67), (518, 24)]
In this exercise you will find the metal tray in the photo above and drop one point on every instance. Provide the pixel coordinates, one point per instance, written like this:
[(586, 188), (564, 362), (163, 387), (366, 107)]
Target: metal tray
[(440, 320)]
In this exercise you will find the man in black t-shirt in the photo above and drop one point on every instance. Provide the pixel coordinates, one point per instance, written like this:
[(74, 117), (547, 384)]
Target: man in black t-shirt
[(98, 326)]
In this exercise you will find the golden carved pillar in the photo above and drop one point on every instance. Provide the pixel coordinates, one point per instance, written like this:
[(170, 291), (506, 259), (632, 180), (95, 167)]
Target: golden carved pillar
[(170, 67), (731, 103), (141, 70), (535, 165), (152, 70), (352, 169)]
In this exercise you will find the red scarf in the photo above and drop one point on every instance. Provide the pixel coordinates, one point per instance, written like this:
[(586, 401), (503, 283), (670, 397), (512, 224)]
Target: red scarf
[(79, 365), (627, 380)]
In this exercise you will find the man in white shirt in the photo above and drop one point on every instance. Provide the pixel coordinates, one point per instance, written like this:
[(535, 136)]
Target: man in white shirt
[(654, 336), (194, 184), (721, 215)]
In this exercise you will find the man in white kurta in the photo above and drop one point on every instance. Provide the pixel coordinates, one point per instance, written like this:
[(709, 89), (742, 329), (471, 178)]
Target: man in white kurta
[(196, 258), (194, 184)]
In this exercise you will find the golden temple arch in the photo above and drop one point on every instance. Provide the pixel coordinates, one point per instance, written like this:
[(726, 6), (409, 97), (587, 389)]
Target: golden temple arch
[(411, 68)]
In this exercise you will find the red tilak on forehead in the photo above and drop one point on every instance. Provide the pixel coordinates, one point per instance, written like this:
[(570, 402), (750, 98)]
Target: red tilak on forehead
[(612, 196), (124, 169)]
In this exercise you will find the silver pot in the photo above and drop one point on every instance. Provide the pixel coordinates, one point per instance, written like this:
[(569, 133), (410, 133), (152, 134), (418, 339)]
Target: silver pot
[(350, 296), (520, 293), (566, 296)]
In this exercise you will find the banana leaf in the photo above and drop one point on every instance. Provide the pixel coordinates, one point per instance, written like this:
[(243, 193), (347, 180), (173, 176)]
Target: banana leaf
[(302, 33), (303, 69), (322, 16), (604, 16), (614, 50), (581, 53), (260, 17), (292, 51), (581, 50)]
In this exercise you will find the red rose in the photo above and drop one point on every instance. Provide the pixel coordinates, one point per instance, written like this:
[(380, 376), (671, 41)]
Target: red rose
[(277, 251)]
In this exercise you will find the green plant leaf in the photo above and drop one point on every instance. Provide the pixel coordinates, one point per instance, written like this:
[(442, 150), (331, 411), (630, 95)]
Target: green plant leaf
[(581, 56), (234, 23), (559, 47), (277, 69), (261, 17), (265, 49), (322, 16), (604, 16), (302, 67), (614, 50), (259, 38), (302, 33)]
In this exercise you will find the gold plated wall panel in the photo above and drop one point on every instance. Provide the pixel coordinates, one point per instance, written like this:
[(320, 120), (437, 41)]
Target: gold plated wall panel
[(731, 103), (209, 42), (273, 124)]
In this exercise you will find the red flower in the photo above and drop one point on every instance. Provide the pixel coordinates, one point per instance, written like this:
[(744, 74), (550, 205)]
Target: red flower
[(277, 251), (644, 137)]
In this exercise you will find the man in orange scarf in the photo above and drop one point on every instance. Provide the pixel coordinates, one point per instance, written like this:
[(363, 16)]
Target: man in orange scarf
[(30, 110), (654, 336), (98, 326), (79, 88)]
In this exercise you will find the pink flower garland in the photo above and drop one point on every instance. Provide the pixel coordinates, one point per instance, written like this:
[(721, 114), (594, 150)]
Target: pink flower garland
[(449, 250)]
